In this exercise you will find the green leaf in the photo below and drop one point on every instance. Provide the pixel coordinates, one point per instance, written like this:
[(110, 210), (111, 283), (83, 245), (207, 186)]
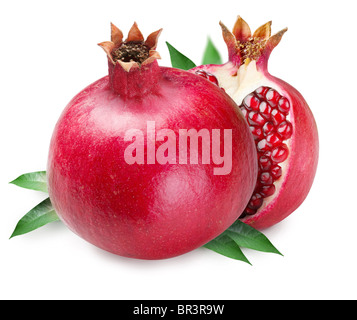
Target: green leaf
[(211, 54), (33, 180), (240, 235), (178, 60), (37, 217), (247, 237), (224, 245)]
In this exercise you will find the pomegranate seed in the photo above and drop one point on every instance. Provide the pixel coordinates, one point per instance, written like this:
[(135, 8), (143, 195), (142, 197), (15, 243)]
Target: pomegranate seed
[(273, 140), (212, 78), (268, 128), (201, 73), (285, 130), (264, 163), (249, 212), (280, 153), (263, 146), (256, 201), (267, 153), (284, 105), (209, 76), (276, 171), (273, 97), (257, 132), (251, 102), (267, 191), (277, 116), (255, 118), (266, 178), (265, 110), (261, 92)]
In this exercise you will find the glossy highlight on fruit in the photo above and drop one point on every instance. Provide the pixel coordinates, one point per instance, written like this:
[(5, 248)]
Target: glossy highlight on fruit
[(279, 118), (146, 208)]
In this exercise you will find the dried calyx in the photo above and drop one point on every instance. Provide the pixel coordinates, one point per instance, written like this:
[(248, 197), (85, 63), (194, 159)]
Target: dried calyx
[(134, 51), (243, 46)]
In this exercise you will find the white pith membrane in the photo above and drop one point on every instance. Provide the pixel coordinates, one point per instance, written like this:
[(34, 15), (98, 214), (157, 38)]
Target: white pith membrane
[(240, 84)]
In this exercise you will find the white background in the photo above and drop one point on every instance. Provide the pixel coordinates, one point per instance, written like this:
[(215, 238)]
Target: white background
[(49, 53)]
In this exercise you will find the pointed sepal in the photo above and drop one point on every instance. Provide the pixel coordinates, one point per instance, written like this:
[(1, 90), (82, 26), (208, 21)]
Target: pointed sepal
[(263, 32), (116, 35), (231, 43), (108, 47), (241, 30), (274, 40), (134, 34), (152, 39)]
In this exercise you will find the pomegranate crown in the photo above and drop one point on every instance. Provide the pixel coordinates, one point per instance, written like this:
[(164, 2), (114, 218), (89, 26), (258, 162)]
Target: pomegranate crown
[(243, 46), (134, 51)]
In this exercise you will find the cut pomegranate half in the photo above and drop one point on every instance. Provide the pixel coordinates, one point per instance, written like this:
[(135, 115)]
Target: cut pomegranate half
[(280, 121)]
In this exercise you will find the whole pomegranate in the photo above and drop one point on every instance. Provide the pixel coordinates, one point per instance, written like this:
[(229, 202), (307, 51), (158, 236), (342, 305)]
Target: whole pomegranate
[(280, 121), (142, 163)]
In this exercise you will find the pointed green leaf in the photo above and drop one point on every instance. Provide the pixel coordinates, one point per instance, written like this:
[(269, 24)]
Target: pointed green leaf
[(227, 247), (211, 54), (178, 60), (37, 217), (247, 237), (33, 180)]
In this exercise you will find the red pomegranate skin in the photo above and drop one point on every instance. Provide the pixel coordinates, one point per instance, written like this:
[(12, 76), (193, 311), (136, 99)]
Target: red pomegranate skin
[(147, 211)]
